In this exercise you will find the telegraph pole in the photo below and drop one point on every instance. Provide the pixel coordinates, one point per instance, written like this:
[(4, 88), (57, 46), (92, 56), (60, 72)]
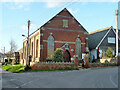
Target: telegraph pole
[(27, 58), (3, 53), (117, 37)]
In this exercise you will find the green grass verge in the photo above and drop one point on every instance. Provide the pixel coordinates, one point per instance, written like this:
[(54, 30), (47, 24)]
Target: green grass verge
[(20, 69), (50, 70), (17, 68)]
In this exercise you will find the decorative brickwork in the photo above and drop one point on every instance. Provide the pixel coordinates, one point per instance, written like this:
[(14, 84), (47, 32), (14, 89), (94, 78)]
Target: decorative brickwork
[(62, 34)]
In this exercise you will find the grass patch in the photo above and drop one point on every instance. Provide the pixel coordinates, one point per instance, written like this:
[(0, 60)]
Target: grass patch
[(50, 70), (17, 68)]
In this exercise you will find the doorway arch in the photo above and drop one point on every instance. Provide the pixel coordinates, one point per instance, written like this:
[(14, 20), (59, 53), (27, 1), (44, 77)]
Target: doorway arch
[(67, 56)]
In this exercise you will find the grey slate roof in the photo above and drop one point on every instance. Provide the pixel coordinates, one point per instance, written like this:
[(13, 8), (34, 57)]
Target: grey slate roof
[(95, 37)]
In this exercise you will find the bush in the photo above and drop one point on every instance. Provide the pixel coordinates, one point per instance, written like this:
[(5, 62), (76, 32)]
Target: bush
[(58, 56), (109, 53), (87, 58)]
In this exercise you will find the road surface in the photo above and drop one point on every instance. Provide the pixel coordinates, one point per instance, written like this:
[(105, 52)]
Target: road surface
[(88, 78)]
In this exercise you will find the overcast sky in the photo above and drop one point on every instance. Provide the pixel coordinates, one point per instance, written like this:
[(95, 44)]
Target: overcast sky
[(93, 15)]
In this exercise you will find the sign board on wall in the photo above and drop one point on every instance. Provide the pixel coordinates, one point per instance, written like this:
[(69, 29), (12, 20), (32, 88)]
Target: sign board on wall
[(111, 40), (119, 15), (83, 54)]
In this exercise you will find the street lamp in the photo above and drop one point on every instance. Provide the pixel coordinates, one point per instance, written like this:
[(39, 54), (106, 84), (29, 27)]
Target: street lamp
[(23, 35), (27, 57)]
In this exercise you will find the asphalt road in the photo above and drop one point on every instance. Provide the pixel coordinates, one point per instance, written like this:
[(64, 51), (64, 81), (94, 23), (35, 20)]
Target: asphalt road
[(90, 78)]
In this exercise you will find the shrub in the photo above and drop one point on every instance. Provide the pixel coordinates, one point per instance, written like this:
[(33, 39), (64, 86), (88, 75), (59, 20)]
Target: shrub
[(87, 58), (109, 53), (58, 56)]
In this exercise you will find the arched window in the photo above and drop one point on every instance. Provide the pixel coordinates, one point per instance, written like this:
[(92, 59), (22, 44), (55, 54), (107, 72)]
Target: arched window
[(50, 47), (25, 52), (36, 48), (78, 48), (32, 48)]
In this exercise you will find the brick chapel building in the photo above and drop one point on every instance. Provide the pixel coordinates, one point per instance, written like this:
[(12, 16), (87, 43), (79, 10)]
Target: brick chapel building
[(64, 32)]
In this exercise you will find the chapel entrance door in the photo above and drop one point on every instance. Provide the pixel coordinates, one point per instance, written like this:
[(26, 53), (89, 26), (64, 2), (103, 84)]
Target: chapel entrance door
[(67, 56)]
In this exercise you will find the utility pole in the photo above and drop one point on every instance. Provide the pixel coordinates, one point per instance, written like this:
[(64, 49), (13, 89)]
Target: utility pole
[(117, 37), (3, 53), (27, 58)]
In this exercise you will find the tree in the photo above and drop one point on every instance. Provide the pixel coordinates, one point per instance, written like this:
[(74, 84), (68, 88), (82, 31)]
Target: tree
[(13, 48), (58, 56), (109, 53)]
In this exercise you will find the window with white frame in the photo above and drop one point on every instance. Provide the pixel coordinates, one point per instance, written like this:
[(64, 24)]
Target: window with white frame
[(50, 47), (78, 48), (111, 40), (65, 23)]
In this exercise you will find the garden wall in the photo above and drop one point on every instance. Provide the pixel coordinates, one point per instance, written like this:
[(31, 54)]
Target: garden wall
[(53, 65)]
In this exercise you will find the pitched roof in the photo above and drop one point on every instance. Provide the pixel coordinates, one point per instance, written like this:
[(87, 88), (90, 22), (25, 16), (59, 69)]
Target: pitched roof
[(20, 50), (95, 37), (55, 16), (100, 30)]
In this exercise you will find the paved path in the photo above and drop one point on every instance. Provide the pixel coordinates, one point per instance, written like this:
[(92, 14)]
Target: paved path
[(90, 78), (3, 71)]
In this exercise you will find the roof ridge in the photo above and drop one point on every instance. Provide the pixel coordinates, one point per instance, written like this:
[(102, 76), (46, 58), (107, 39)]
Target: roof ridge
[(100, 30)]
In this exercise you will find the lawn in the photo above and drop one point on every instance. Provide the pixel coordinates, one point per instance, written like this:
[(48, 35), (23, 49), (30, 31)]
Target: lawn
[(50, 70), (16, 68)]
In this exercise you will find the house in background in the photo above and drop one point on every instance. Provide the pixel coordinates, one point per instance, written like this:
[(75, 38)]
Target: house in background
[(1, 57), (19, 54), (62, 31), (100, 40)]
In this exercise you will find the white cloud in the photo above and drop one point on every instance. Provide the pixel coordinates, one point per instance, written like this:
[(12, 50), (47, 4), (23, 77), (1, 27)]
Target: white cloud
[(49, 1), (57, 3), (19, 0), (15, 4), (18, 5), (53, 4), (24, 4), (32, 27)]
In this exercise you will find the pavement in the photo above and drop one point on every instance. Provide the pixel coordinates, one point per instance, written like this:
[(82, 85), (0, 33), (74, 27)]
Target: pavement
[(83, 78), (2, 71)]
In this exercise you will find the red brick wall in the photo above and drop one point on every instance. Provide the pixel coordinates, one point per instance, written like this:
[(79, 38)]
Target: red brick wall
[(60, 33), (68, 36), (46, 66)]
